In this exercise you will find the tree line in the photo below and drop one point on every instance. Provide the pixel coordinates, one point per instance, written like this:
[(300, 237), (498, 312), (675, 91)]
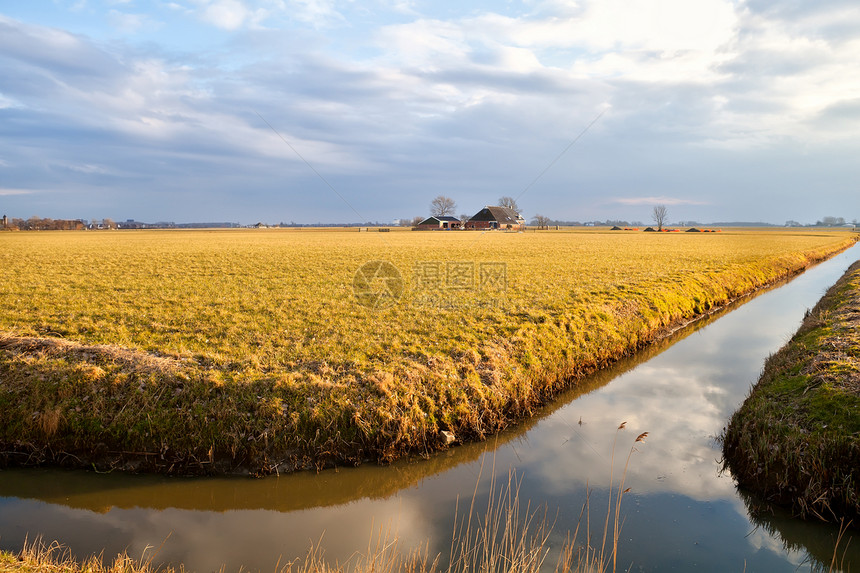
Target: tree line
[(47, 224)]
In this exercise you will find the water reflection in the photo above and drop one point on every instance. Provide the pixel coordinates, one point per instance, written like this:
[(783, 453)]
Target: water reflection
[(802, 538), (681, 513)]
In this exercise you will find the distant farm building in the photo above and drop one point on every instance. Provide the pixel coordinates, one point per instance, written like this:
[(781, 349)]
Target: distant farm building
[(492, 217), (437, 223)]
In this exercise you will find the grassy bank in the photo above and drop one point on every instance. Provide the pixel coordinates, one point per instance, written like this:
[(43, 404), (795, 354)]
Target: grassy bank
[(796, 439), (201, 352)]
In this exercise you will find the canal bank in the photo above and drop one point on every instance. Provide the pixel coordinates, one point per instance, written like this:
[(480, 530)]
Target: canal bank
[(796, 439)]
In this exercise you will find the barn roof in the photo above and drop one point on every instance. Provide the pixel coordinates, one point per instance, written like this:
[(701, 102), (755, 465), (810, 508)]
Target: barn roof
[(435, 219), (495, 213)]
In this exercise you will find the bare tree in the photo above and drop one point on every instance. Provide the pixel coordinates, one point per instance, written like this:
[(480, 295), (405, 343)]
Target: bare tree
[(510, 203), (442, 206), (659, 215), (416, 220), (464, 217), (541, 221)]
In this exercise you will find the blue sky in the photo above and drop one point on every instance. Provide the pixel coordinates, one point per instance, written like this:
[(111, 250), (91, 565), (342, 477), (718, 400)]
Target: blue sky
[(159, 110)]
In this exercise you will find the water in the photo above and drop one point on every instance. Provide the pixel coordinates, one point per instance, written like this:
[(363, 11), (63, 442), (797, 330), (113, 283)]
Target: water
[(680, 514)]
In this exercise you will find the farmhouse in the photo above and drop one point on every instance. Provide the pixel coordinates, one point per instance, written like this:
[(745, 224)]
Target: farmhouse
[(441, 222), (492, 217)]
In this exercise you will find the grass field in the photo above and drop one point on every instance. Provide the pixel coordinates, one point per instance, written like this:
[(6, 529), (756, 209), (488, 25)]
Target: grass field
[(205, 350)]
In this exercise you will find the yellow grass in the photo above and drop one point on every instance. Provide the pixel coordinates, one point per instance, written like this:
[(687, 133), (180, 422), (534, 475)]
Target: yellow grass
[(251, 345)]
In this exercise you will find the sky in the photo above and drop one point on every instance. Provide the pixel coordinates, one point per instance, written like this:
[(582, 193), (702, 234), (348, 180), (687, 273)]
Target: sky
[(335, 111)]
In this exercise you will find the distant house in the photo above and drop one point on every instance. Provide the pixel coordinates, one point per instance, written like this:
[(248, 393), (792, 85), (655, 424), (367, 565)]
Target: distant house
[(437, 223), (493, 217)]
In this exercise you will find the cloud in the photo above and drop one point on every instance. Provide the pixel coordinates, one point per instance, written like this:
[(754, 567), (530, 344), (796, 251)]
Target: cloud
[(41, 52), (707, 109), (662, 200), (6, 102), (226, 14), (233, 15), (320, 13), (9, 192), (788, 64), (129, 23), (87, 168)]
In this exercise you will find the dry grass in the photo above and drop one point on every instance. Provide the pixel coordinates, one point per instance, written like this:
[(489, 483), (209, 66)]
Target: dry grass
[(199, 352), (38, 557)]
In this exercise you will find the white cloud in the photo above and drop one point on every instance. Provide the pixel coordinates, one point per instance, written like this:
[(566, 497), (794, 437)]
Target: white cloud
[(620, 25), (319, 13), (661, 40), (662, 46), (665, 26), (403, 6), (226, 14), (520, 60), (784, 73), (7, 102), (232, 15), (8, 192), (87, 168), (127, 23), (425, 44), (662, 200)]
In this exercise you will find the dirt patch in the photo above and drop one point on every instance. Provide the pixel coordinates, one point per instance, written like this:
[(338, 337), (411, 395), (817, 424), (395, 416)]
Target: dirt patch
[(53, 347)]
